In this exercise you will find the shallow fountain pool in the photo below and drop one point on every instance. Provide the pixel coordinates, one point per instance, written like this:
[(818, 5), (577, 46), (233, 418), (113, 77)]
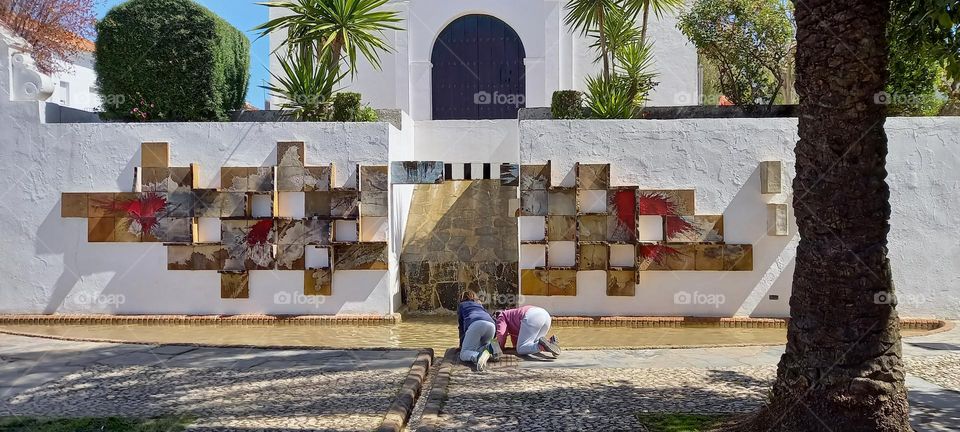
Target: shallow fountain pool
[(416, 332)]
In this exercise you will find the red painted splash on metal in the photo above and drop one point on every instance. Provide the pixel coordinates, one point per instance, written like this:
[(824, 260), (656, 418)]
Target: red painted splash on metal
[(662, 204), (677, 226), (657, 203), (657, 253), (260, 232), (145, 209), (625, 201)]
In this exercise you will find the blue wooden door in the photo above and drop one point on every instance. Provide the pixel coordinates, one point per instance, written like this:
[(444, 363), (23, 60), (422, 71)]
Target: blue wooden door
[(478, 70)]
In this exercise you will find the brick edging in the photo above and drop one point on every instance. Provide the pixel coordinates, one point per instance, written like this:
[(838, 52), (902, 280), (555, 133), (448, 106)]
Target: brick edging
[(438, 392), (200, 319), (399, 412), (732, 322)]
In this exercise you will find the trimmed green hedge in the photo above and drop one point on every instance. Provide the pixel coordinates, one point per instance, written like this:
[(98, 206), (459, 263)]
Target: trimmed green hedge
[(170, 60), (567, 105)]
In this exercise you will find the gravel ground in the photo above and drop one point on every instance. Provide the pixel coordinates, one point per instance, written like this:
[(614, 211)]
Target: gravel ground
[(220, 399), (943, 370)]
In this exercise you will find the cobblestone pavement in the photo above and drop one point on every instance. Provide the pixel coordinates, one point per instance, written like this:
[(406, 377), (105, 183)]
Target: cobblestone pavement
[(603, 389), (943, 370), (223, 388), (601, 399)]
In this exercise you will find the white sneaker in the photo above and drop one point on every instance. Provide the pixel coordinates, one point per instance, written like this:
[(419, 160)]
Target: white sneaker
[(482, 360)]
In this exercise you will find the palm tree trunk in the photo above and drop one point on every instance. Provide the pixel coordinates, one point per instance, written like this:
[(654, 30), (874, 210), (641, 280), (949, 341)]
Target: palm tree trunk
[(336, 48), (842, 369), (603, 45), (646, 19)]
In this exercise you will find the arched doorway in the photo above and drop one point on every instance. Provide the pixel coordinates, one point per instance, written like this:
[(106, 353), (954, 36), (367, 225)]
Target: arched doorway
[(478, 70)]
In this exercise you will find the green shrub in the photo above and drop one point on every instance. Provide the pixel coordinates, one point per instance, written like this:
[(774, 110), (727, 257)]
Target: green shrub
[(367, 114), (347, 107), (567, 105), (750, 42), (610, 98), (171, 60)]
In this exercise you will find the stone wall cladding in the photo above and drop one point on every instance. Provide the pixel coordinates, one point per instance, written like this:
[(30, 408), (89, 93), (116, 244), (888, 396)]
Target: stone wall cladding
[(460, 235)]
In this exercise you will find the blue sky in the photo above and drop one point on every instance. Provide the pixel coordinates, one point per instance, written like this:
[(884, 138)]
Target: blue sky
[(244, 15)]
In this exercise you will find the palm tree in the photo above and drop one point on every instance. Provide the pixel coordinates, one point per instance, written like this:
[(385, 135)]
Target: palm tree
[(306, 85), (843, 368), (332, 28), (591, 15), (619, 31), (659, 8)]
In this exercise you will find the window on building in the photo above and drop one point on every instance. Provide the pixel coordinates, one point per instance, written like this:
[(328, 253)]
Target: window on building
[(64, 93)]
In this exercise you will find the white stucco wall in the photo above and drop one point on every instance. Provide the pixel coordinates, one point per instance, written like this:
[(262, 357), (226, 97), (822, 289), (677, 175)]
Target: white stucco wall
[(48, 266), (720, 158), (466, 141), (556, 58)]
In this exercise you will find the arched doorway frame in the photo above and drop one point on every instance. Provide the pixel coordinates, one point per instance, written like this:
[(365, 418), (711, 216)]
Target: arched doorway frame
[(499, 92)]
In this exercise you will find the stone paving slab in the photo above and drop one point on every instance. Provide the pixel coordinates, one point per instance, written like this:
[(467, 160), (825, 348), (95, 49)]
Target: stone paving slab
[(224, 388)]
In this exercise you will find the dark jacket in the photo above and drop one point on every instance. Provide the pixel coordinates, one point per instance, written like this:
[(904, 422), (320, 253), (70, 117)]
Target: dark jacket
[(469, 312)]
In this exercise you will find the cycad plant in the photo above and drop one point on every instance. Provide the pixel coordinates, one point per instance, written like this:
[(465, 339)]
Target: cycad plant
[(635, 62), (332, 29), (306, 86), (619, 30)]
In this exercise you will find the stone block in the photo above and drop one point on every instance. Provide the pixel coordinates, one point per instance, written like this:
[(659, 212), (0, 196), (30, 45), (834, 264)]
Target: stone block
[(290, 153), (317, 204), (318, 282), (771, 177), (592, 227), (535, 177), (73, 204), (621, 283), (561, 228), (593, 176), (562, 283), (155, 154), (709, 257), (533, 282), (235, 285), (290, 257), (101, 229), (694, 229), (509, 174), (344, 204), (373, 178), (738, 257), (593, 257), (533, 202), (416, 172), (562, 202), (778, 219), (679, 202), (360, 256)]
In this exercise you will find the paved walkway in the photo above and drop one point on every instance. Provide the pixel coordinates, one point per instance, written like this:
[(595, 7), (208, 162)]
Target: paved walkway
[(223, 388), (603, 389)]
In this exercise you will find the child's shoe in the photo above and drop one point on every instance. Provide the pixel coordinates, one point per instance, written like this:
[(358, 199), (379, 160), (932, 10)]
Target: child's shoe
[(482, 360), (546, 345)]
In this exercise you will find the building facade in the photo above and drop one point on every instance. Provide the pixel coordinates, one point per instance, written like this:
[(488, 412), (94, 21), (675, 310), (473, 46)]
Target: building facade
[(468, 59)]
